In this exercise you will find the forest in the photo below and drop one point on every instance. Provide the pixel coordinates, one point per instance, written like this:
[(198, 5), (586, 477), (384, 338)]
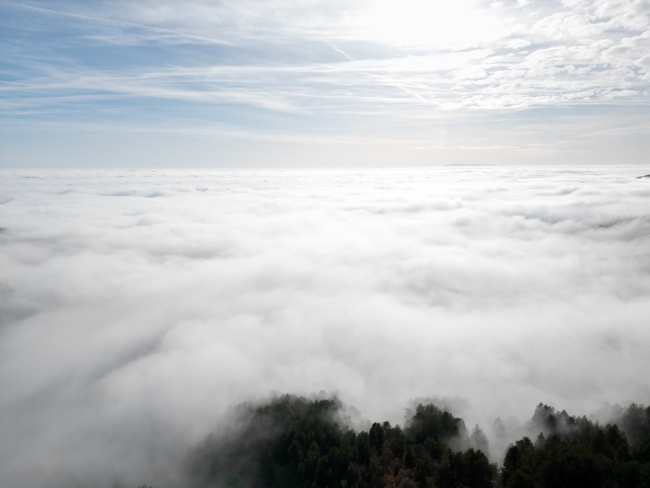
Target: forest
[(295, 442)]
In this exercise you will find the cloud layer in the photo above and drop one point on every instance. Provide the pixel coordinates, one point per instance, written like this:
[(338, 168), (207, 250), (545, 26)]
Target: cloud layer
[(136, 306)]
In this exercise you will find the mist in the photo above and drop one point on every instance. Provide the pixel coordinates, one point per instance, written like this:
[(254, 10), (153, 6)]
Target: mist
[(137, 307)]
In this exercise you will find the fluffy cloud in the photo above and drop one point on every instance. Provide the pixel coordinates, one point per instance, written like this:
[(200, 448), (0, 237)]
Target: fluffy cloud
[(584, 52), (135, 307)]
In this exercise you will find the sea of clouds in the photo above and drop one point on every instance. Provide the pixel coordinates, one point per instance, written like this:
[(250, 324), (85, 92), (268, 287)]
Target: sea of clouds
[(135, 307)]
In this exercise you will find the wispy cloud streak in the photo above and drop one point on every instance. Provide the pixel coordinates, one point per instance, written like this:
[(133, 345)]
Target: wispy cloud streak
[(165, 32), (283, 63), (552, 63)]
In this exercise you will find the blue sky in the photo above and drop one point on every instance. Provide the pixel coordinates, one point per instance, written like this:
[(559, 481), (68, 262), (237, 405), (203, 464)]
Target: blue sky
[(342, 83)]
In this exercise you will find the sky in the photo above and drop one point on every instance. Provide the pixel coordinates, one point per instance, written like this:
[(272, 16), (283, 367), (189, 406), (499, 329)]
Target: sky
[(137, 306), (338, 83)]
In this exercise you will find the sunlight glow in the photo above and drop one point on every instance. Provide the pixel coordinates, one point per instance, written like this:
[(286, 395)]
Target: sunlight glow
[(458, 24)]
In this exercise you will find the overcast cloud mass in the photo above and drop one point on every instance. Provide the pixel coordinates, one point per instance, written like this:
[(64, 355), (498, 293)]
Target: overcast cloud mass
[(135, 307), (315, 83)]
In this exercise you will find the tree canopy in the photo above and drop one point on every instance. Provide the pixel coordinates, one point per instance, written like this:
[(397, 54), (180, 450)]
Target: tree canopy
[(294, 442)]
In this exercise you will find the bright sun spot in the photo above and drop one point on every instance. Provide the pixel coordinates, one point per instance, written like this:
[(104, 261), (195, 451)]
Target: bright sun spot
[(459, 23)]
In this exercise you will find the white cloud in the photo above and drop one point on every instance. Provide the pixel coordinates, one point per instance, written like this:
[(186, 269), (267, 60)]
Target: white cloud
[(135, 306), (517, 44)]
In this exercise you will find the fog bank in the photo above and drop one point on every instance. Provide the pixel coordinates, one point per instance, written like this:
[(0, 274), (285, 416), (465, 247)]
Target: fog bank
[(135, 307)]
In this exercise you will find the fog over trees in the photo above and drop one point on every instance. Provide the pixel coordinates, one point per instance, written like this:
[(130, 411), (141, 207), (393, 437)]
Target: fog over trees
[(294, 442)]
